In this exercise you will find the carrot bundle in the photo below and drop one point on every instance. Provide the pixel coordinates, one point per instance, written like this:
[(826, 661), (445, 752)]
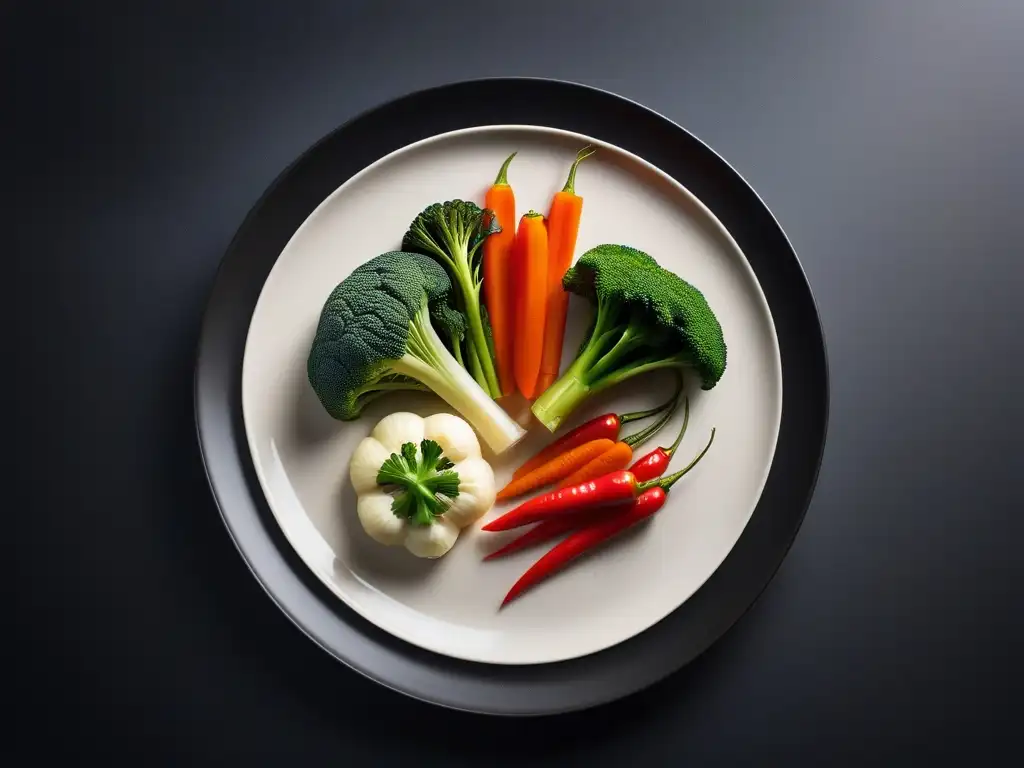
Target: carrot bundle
[(531, 269), (563, 228), (497, 268)]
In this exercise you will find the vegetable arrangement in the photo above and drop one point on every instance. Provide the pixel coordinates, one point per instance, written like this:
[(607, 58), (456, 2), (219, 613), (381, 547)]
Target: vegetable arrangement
[(473, 308), (647, 467), (646, 504), (585, 451), (612, 488), (633, 502)]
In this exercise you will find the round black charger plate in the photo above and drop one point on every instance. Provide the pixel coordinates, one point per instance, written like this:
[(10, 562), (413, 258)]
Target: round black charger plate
[(534, 689)]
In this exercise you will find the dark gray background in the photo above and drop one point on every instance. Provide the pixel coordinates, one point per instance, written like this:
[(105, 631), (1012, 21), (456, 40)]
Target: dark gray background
[(884, 134)]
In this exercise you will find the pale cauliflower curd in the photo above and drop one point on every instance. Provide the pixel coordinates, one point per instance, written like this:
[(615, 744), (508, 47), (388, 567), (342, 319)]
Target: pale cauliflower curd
[(420, 481)]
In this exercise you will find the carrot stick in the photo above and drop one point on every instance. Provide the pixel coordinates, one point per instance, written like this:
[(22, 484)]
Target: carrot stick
[(563, 228), (616, 457), (620, 454), (497, 276), (531, 300), (606, 425), (559, 467)]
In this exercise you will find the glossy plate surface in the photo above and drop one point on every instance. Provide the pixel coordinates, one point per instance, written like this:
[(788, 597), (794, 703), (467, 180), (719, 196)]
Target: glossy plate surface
[(450, 605)]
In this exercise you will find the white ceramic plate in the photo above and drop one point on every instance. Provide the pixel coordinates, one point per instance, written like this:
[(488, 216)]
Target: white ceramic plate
[(450, 606)]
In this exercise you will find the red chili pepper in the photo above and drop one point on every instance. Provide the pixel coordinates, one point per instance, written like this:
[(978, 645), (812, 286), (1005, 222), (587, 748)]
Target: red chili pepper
[(613, 488), (656, 462), (600, 530), (646, 468), (550, 529), (567, 550), (606, 426)]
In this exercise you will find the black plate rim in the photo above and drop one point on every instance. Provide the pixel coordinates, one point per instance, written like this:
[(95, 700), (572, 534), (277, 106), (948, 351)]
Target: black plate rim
[(205, 429)]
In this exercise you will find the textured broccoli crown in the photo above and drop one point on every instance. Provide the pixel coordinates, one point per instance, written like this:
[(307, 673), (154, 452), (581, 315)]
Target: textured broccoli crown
[(629, 285), (454, 225), (448, 321), (365, 324)]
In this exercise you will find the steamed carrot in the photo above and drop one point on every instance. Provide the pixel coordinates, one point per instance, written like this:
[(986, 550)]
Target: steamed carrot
[(620, 454), (497, 275), (606, 425), (531, 255), (616, 457), (559, 467), (563, 228)]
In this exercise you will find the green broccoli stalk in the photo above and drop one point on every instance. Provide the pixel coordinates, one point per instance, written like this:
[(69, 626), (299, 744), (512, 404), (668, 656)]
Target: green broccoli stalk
[(646, 319), (376, 334), (426, 484), (452, 232)]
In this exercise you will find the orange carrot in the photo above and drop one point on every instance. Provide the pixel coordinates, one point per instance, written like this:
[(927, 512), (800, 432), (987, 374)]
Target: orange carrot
[(531, 257), (618, 456), (497, 276), (563, 227), (559, 467)]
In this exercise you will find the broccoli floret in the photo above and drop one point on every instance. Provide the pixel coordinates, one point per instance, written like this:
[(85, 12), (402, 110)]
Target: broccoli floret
[(452, 233), (646, 319), (427, 483), (375, 335)]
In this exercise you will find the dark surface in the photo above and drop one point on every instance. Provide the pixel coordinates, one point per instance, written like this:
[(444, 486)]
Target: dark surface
[(546, 688), (884, 135)]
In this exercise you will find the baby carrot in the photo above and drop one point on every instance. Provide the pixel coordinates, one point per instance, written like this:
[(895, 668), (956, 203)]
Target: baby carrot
[(559, 467), (563, 228), (606, 425), (616, 457), (619, 454), (532, 269), (497, 275)]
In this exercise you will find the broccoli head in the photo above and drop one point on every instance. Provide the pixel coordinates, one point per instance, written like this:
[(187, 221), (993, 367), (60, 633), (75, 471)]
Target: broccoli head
[(377, 334), (646, 318)]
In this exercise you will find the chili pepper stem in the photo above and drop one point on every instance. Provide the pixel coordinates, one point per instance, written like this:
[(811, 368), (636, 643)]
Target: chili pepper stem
[(671, 450), (502, 178), (667, 482), (639, 438), (583, 154), (637, 415)]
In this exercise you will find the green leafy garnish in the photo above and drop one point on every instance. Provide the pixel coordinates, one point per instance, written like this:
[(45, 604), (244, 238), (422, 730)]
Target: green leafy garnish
[(425, 485)]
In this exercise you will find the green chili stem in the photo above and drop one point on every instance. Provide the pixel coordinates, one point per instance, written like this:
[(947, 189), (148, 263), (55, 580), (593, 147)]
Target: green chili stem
[(645, 434), (668, 482), (625, 418), (682, 430)]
